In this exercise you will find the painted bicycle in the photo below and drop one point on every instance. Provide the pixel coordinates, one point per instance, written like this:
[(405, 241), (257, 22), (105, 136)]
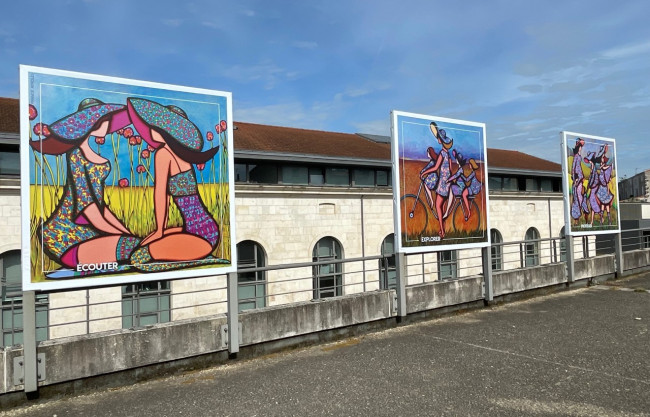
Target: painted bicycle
[(415, 218)]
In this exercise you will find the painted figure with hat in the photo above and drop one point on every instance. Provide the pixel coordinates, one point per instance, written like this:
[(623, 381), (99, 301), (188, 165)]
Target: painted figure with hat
[(178, 143), (595, 161), (464, 183), (431, 179), (442, 167), (579, 202), (603, 193), (82, 229)]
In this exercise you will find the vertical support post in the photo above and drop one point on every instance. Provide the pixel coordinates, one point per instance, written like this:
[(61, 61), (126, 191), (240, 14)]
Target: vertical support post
[(486, 253), (29, 342), (401, 285), (570, 258), (618, 245), (233, 315), (521, 255)]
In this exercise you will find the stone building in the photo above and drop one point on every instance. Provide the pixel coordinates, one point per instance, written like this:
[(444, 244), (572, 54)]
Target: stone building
[(300, 196)]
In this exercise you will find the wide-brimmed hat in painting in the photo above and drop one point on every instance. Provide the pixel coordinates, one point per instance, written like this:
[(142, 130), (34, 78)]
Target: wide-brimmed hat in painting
[(69, 131), (183, 137), (441, 135)]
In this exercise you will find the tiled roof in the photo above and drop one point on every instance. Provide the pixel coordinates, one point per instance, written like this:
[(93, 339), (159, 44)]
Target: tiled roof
[(254, 137), (505, 159), (285, 140), (9, 115)]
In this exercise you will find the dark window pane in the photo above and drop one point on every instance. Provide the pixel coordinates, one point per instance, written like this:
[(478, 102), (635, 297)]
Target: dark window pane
[(316, 176), (337, 176), (9, 163), (510, 184), (494, 182), (241, 173), (263, 174), (364, 178), (295, 175), (382, 178)]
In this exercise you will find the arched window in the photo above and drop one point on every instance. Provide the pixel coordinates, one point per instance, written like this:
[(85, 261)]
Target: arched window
[(532, 247), (497, 251), (387, 265), (328, 278), (11, 312), (251, 288), (562, 245)]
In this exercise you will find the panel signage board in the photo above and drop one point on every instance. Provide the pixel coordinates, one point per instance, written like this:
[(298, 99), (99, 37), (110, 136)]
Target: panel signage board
[(123, 181), (590, 181), (439, 183)]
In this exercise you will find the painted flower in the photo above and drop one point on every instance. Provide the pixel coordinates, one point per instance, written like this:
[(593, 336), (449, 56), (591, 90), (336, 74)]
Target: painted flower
[(217, 127), (140, 168), (128, 132), (209, 136), (124, 182), (133, 141), (120, 132), (150, 148), (41, 129), (200, 167), (100, 140), (145, 153), (32, 112), (224, 125)]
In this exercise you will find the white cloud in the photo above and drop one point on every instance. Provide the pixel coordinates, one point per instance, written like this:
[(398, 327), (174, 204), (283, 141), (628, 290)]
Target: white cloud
[(266, 72), (172, 22), (373, 127), (627, 51), (304, 45)]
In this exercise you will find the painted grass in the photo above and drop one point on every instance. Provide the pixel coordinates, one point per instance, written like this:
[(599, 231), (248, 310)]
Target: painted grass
[(465, 232), (134, 207)]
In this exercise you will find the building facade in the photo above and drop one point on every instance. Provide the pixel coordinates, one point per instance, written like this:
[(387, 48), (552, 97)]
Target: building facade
[(302, 197)]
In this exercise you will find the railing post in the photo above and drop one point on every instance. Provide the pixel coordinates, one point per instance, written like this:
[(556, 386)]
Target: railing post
[(521, 255), (401, 285), (30, 366), (618, 246), (486, 253), (233, 315), (570, 258)]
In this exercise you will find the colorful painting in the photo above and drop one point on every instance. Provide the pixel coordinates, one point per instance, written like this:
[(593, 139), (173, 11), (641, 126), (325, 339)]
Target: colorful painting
[(440, 183), (590, 184), (123, 181)]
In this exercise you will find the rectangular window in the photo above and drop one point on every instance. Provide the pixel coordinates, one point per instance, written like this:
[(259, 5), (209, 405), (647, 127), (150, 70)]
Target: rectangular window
[(532, 184), (316, 176), (494, 182), (337, 176), (510, 184), (546, 184), (145, 304), (383, 179), (295, 175), (241, 173), (364, 177), (263, 174), (447, 264), (9, 163)]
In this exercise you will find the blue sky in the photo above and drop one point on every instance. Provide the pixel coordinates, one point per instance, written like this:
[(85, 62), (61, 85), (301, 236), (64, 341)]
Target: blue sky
[(528, 69)]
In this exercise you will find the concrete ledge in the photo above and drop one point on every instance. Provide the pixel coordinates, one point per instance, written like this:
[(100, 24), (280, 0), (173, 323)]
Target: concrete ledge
[(273, 323), (443, 294), (507, 282), (84, 356), (636, 259), (594, 267)]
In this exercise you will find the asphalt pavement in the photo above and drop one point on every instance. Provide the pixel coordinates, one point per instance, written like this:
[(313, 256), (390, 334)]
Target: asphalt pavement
[(583, 352)]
